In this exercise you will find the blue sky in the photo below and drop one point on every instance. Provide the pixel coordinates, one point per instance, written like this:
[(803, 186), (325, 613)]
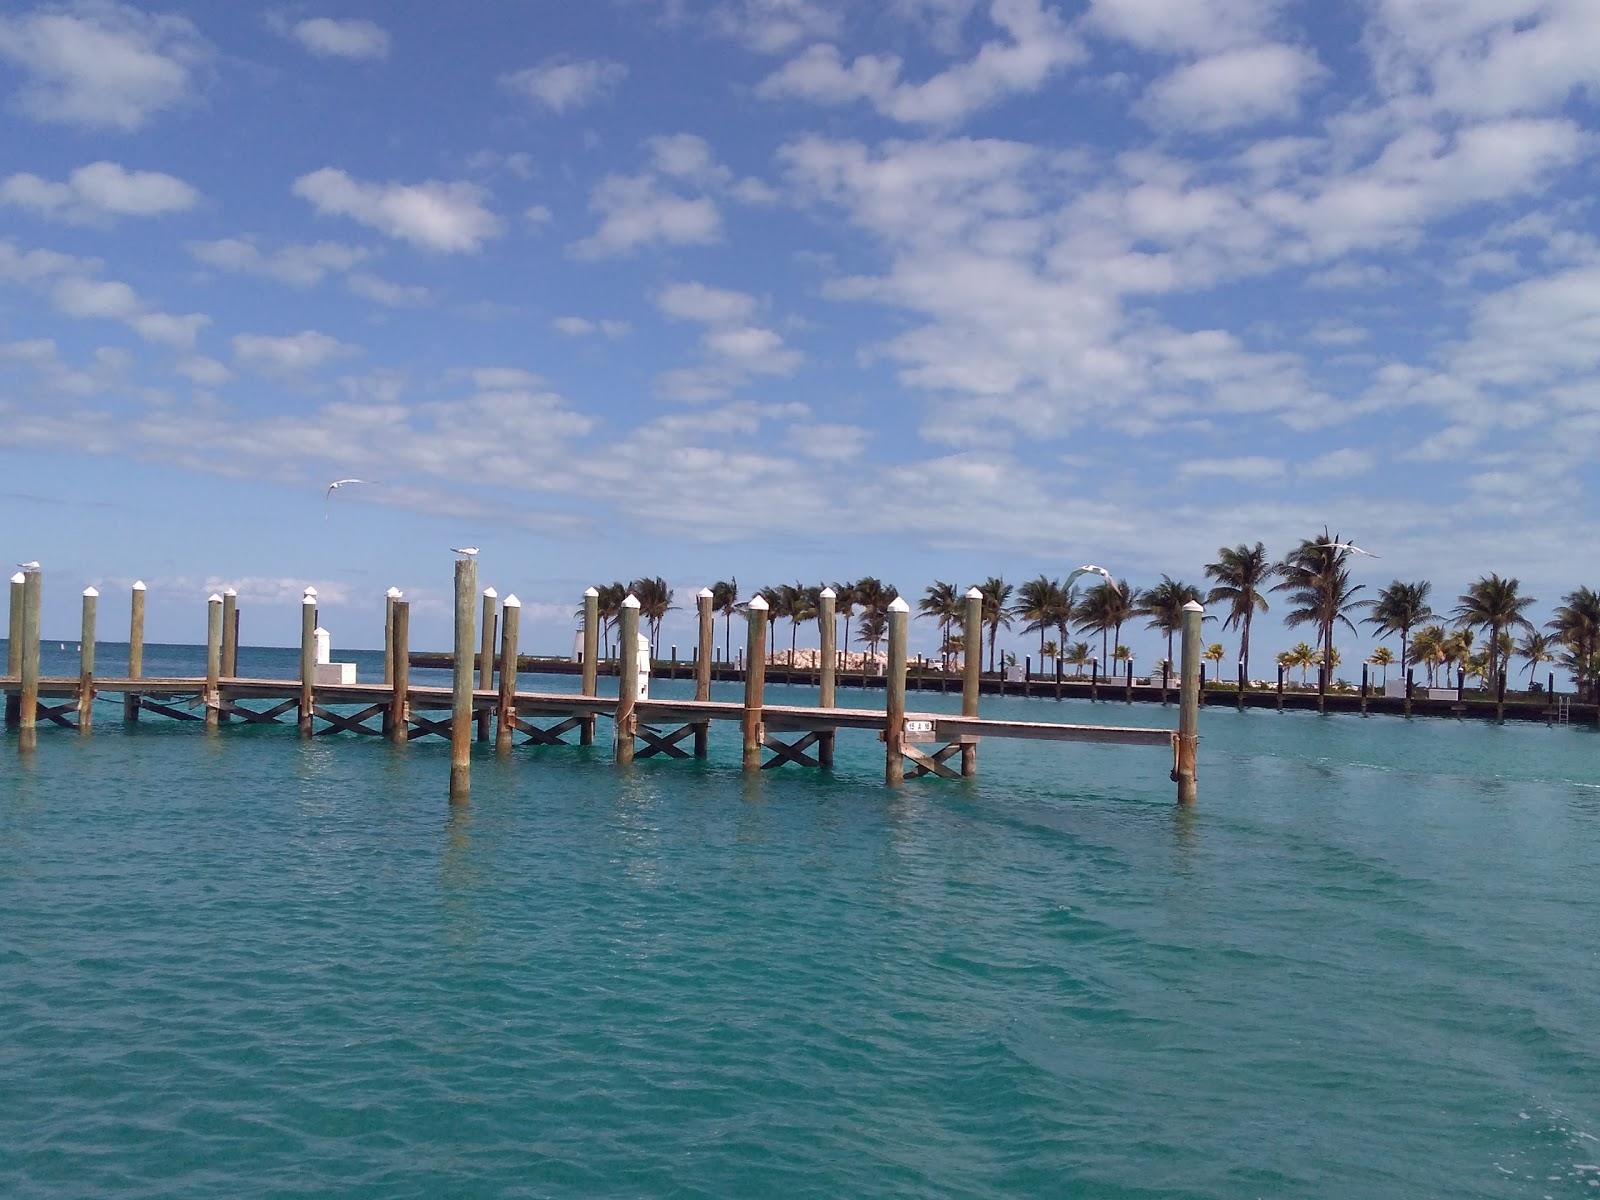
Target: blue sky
[(790, 289)]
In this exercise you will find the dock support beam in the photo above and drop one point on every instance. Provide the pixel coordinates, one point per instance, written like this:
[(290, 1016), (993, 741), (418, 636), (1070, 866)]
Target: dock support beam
[(14, 649), (510, 620), (591, 656), (702, 669), (894, 683), (212, 699), (827, 660), (399, 703), (971, 666), (461, 694), (755, 679), (130, 701), (91, 601), (28, 718), (1188, 738), (486, 659), (627, 679), (308, 660)]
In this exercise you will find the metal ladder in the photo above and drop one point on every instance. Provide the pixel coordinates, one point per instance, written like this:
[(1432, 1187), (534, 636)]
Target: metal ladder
[(1563, 710)]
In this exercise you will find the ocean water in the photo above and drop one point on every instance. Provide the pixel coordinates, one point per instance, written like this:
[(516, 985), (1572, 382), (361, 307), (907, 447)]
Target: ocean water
[(1366, 965)]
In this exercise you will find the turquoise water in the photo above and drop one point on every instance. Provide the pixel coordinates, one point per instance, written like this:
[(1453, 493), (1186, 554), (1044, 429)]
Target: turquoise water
[(250, 966)]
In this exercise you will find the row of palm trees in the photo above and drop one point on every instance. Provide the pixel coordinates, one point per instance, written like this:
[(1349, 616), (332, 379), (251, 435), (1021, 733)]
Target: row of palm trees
[(1314, 578)]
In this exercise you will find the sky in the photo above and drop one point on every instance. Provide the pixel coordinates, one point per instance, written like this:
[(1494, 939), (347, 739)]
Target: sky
[(789, 290)]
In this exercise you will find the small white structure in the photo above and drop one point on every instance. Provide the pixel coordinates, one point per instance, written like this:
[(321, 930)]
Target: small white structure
[(328, 672), (1395, 689), (1014, 673), (643, 659)]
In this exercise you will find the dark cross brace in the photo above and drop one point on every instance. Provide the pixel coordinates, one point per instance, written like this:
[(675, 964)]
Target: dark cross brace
[(338, 723), (252, 717), (794, 752), (165, 710), (931, 764), (58, 714), (545, 737), (663, 743), (423, 726)]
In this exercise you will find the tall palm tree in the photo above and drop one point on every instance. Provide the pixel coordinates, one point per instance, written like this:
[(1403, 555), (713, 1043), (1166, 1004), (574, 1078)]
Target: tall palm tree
[(1213, 653), (1304, 657), (942, 602), (610, 607), (1428, 648), (1382, 657), (1458, 648), (1494, 604), (804, 600), (1241, 572), (845, 606), (1039, 603), (872, 627), (1576, 625), (776, 600), (1102, 610), (1536, 648), (1318, 582), (873, 597), (655, 602), (1077, 655), (1399, 608), (996, 609), (1065, 614), (1163, 604), (785, 603), (725, 600)]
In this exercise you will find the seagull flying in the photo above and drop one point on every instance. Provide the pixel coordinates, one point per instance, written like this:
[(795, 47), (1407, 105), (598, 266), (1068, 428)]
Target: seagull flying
[(1091, 569), (334, 487), (469, 551), (1349, 546)]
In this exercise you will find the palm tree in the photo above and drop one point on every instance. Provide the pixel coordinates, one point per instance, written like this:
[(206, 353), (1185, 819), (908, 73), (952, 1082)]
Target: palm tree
[(655, 602), (1102, 610), (725, 600), (1458, 648), (1040, 603), (1049, 652), (996, 609), (804, 601), (1304, 657), (874, 597), (1318, 582), (1213, 654), (845, 606), (610, 607), (1536, 648), (873, 626), (1241, 573), (1287, 660), (1382, 657), (1399, 608), (775, 598), (1494, 604), (1077, 655), (1576, 625), (1163, 604), (942, 602), (1428, 648)]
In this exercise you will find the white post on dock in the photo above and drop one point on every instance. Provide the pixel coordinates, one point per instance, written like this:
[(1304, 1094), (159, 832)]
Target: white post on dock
[(827, 663), (28, 733), (1188, 739), (755, 679), (627, 679), (591, 655), (702, 667), (486, 657), (510, 621), (131, 700), (212, 700), (971, 668), (461, 693), (308, 660), (894, 728), (14, 650), (91, 600)]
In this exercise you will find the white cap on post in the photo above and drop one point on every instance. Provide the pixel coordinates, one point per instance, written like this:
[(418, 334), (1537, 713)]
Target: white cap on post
[(898, 604), (704, 593), (511, 601), (90, 592), (19, 577), (829, 594), (591, 591), (213, 599), (312, 592), (308, 599), (1193, 606), (490, 593), (974, 594), (758, 602), (138, 585), (394, 593), (630, 601), (229, 592)]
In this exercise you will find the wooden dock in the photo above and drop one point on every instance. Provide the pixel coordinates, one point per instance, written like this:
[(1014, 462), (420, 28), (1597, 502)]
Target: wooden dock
[(488, 702)]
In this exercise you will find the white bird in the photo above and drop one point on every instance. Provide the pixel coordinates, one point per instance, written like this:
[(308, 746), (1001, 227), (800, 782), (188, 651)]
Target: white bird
[(29, 566), (469, 551), (1350, 546), (334, 487), (1091, 569)]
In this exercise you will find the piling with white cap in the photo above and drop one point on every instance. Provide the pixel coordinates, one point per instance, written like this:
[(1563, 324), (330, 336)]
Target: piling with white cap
[(389, 599), (486, 658), (230, 634), (971, 672), (91, 601), (397, 721), (28, 717), (755, 679), (14, 649), (213, 701), (702, 668), (828, 658), (510, 620), (894, 731), (308, 660), (591, 654), (461, 682), (627, 679), (1188, 736), (131, 700)]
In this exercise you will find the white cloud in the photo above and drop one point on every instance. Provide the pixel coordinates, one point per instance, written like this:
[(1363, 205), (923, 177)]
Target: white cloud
[(207, 372), (635, 211), (773, 26), (1197, 26), (84, 298), (387, 292), (350, 38), (1339, 464), (583, 327), (1242, 86), (1036, 45), (560, 84), (294, 354), (1248, 468), (100, 191), (446, 217), (299, 264), (101, 64), (697, 302), (735, 351)]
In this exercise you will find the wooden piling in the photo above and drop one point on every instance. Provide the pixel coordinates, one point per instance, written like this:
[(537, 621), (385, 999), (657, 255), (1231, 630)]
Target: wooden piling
[(28, 716), (308, 661), (14, 650), (86, 635), (1411, 682), (510, 620), (1128, 686), (399, 701), (755, 679), (591, 653), (491, 600), (1364, 689), (230, 634), (894, 686), (827, 665), (130, 701), (392, 595), (1280, 688), (704, 650), (212, 698), (627, 679), (1239, 696), (461, 693), (971, 668), (1027, 675), (1094, 679), (1189, 705)]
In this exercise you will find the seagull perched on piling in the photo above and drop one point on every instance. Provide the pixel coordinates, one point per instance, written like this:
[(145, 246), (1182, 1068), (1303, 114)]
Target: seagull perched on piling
[(465, 551), (1091, 569), (29, 566)]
